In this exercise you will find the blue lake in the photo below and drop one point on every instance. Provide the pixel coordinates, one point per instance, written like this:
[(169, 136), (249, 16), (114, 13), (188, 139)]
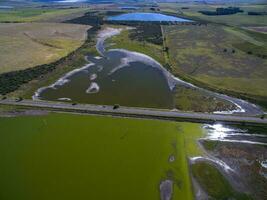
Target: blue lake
[(149, 17), (129, 7)]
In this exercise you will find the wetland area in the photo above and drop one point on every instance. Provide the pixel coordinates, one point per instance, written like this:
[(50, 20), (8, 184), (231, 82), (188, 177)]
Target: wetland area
[(128, 78), (51, 155)]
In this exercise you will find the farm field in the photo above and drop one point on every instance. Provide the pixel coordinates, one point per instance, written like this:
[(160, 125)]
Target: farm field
[(221, 57), (35, 14), (68, 156), (239, 19), (34, 44)]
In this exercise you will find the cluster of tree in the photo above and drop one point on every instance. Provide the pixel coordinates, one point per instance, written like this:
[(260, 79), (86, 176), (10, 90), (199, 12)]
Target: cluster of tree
[(149, 33), (222, 11), (11, 81), (154, 9), (94, 19), (256, 13), (257, 54), (113, 13), (231, 50)]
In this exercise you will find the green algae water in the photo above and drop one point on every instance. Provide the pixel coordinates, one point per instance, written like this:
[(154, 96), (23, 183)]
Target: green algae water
[(64, 156)]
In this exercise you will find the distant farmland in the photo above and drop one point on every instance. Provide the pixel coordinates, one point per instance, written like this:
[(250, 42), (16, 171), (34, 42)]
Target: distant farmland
[(238, 19), (27, 45), (49, 15)]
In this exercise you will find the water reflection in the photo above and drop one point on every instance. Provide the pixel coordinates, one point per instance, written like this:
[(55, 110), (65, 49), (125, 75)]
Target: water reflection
[(225, 133)]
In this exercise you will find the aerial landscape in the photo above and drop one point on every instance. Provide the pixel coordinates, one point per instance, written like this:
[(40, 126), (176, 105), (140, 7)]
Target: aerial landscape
[(133, 99)]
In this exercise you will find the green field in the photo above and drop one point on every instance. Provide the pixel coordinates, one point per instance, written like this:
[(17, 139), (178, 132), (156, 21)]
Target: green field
[(224, 58), (239, 19), (25, 45), (35, 14), (63, 156)]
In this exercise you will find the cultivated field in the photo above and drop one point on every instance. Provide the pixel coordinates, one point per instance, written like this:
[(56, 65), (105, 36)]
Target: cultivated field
[(25, 45), (221, 57)]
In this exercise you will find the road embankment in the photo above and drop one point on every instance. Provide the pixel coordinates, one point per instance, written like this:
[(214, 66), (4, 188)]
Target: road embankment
[(145, 113)]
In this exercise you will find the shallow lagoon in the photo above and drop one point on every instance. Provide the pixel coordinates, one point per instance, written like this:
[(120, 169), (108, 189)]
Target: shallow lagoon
[(148, 17), (106, 82)]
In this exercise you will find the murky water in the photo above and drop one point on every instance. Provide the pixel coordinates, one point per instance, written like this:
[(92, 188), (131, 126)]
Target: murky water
[(106, 82)]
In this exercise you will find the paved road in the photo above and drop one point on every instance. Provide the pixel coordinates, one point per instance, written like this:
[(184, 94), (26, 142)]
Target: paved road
[(137, 112)]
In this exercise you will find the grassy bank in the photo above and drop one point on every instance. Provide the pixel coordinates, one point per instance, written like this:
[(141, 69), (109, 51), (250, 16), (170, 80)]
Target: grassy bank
[(61, 156)]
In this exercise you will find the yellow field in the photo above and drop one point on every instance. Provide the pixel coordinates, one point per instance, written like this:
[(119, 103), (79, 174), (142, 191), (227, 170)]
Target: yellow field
[(26, 45)]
